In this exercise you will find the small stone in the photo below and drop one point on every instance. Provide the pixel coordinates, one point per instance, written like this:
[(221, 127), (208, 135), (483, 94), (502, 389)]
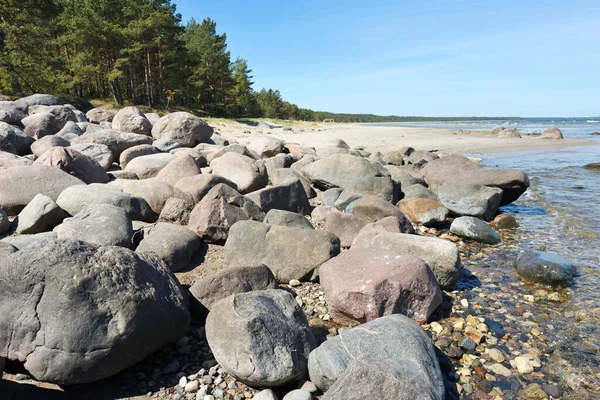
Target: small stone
[(554, 296), (308, 386), (209, 397), (183, 381), (192, 387), (468, 344), (454, 352), (529, 298), (436, 327), (499, 369), (21, 377), (533, 391), (171, 367), (474, 334), (523, 365), (218, 393), (464, 303), (496, 355), (295, 283)]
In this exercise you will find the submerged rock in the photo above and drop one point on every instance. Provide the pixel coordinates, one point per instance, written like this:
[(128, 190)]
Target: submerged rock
[(545, 268), (474, 228)]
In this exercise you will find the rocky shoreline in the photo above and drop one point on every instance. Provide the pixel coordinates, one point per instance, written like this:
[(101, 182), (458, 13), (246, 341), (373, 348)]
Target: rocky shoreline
[(186, 265)]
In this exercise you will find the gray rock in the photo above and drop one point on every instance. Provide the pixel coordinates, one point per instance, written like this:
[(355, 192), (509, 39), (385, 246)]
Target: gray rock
[(101, 224), (40, 99), (22, 241), (418, 191), (421, 155), (330, 196), (40, 125), (116, 141), (40, 146), (199, 185), (217, 151), (474, 228), (266, 146), (339, 170), (69, 131), (298, 394), (424, 212), (183, 127), (130, 119), (6, 249), (40, 215), (176, 211), (248, 174), (213, 288), (181, 167), (260, 337), (347, 197), (266, 394), (442, 256), (97, 115), (4, 222), (251, 242), (277, 176), (9, 160), (74, 163), (174, 244), (473, 200), (12, 113), (344, 226), (288, 196), (153, 190), (166, 145), (22, 183), (97, 152), (74, 312), (135, 152), (152, 117), (383, 187), (552, 133), (212, 218), (373, 208), (545, 268), (287, 218), (278, 162), (149, 166), (392, 339), (76, 198)]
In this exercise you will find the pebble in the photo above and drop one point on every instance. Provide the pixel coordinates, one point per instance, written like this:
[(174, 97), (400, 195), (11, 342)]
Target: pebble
[(192, 387), (218, 393), (171, 368), (523, 365), (468, 344), (295, 283), (533, 391), (183, 381), (499, 369), (496, 355)]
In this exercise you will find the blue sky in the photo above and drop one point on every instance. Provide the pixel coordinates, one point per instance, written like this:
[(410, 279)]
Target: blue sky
[(429, 58)]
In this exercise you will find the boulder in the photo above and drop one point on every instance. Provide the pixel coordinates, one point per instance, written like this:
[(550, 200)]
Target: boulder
[(388, 224), (40, 99), (278, 162), (212, 288), (149, 166), (552, 133), (97, 152), (440, 255), (288, 196), (40, 146), (76, 198), (70, 131), (504, 221), (405, 176), (74, 163), (475, 229), (181, 167), (176, 211), (75, 312), (364, 284), (287, 218), (344, 226), (174, 244), (280, 175), (245, 172), (183, 127), (152, 117), (135, 152), (212, 218), (22, 241), (509, 133), (373, 208), (545, 268), (473, 200), (330, 196), (40, 215), (21, 184), (368, 377), (266, 146), (40, 125), (383, 187), (12, 113), (117, 142), (130, 119), (101, 224), (418, 191), (252, 242), (419, 156), (199, 185), (392, 339), (339, 170), (217, 151), (166, 145), (393, 157), (97, 115), (423, 211), (7, 138), (262, 338), (153, 190), (8, 160)]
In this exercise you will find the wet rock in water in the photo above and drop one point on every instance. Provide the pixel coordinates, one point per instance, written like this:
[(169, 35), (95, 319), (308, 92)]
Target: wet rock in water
[(545, 268), (183, 127), (100, 224), (552, 133), (40, 215), (212, 288), (393, 339), (251, 242), (424, 212), (504, 221), (131, 119), (212, 218), (593, 166), (119, 310), (287, 218), (475, 229), (339, 170), (288, 196), (262, 337), (472, 200), (175, 245), (439, 254), (365, 284)]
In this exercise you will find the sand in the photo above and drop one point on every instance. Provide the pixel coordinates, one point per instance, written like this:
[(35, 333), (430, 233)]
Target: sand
[(387, 138)]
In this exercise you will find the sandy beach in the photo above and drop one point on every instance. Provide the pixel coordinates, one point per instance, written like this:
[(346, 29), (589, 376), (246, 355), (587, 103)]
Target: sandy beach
[(375, 138)]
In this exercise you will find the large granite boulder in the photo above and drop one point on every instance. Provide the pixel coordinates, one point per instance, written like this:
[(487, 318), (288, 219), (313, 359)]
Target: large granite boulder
[(394, 339), (473, 200), (475, 229), (75, 312), (12, 113), (210, 289), (130, 119), (418, 191), (266, 146), (21, 184), (97, 115), (364, 284), (440, 255), (262, 338), (40, 215), (182, 127), (424, 212), (339, 170), (248, 174), (153, 190), (149, 166), (345, 226), (212, 218), (75, 198), (74, 163), (251, 242), (552, 133), (382, 186), (39, 99), (174, 244), (116, 141), (101, 224), (135, 152), (40, 125), (8, 160), (97, 152), (280, 175), (374, 208), (199, 185), (40, 146), (545, 268), (181, 167), (288, 196), (287, 218)]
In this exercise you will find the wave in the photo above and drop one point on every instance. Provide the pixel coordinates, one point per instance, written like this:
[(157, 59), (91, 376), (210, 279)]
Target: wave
[(591, 121)]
